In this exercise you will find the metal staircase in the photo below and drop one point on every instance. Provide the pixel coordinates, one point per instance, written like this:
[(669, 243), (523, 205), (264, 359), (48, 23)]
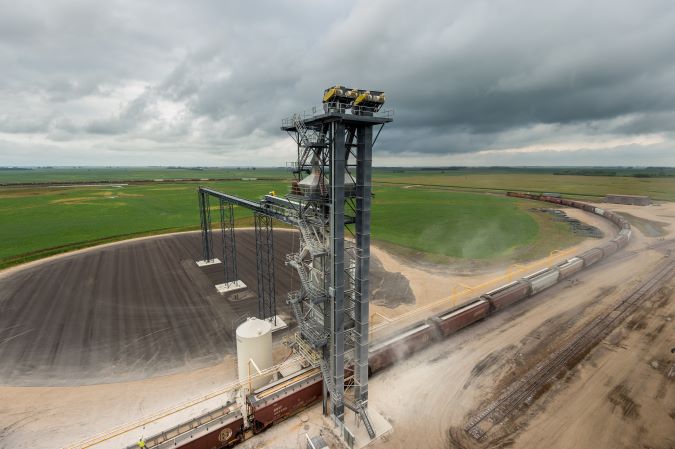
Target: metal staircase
[(314, 294), (308, 138), (331, 196), (360, 409), (311, 239), (364, 417), (314, 359), (314, 333), (328, 380)]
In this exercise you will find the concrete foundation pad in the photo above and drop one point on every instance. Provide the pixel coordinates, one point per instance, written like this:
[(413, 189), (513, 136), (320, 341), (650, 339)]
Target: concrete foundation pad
[(206, 263), (277, 323), (356, 427), (230, 287)]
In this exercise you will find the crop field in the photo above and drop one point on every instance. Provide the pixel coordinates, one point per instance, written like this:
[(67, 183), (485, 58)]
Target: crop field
[(658, 188), (121, 174), (441, 224), (37, 222), (659, 183), (439, 215), (464, 225)]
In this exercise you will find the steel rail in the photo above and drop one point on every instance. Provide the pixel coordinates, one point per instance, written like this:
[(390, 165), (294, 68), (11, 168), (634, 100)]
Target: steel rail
[(530, 384)]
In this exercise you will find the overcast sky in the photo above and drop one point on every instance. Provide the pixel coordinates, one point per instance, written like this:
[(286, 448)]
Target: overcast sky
[(523, 82)]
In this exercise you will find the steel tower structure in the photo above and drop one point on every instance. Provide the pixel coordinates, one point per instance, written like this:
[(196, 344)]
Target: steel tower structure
[(332, 198), (329, 202)]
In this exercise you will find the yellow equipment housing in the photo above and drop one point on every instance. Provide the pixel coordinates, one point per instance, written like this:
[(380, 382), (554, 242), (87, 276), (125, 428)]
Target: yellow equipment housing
[(370, 99), (340, 95)]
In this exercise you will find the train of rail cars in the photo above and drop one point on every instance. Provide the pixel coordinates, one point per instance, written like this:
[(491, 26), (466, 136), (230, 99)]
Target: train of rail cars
[(416, 336), (286, 397)]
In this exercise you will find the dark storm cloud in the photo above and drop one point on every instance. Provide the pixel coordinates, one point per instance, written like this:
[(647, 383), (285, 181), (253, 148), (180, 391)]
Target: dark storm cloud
[(518, 64), (213, 79)]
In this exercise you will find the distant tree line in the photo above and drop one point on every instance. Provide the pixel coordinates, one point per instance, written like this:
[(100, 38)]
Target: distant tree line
[(647, 172), (637, 172), (586, 172)]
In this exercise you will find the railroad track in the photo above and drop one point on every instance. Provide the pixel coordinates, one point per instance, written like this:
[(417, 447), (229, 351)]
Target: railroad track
[(628, 254), (529, 385)]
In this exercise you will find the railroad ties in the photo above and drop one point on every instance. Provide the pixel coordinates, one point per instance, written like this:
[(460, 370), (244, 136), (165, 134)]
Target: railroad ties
[(524, 389)]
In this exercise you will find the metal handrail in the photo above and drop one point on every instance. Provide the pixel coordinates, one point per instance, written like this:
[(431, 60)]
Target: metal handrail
[(316, 111)]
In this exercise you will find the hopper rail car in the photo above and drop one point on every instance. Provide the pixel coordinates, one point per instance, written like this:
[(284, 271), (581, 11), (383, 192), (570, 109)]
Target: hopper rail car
[(288, 396)]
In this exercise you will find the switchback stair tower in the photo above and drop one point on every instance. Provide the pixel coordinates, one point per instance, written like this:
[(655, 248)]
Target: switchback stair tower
[(329, 203), (332, 197)]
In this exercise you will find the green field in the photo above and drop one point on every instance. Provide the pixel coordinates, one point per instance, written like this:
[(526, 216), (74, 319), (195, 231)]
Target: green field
[(462, 225), (571, 185), (40, 221), (659, 183), (121, 174), (439, 214)]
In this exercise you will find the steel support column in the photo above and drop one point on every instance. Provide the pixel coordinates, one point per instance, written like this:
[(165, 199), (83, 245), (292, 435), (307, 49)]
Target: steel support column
[(363, 199), (205, 218), (337, 254), (228, 241), (264, 246), (336, 301)]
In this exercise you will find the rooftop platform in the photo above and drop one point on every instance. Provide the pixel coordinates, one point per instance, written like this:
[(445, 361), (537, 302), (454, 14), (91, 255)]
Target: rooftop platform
[(318, 116)]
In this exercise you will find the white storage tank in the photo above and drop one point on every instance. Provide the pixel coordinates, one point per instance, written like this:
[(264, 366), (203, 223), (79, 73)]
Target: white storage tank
[(254, 342)]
